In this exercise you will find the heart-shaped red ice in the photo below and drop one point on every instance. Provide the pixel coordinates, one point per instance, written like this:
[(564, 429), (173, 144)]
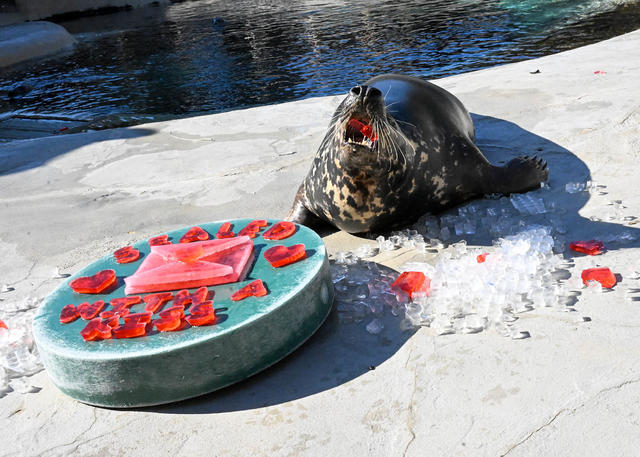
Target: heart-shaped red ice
[(253, 289), (194, 234), (89, 311), (159, 240), (69, 314), (126, 254), (280, 231), (94, 284), (279, 256)]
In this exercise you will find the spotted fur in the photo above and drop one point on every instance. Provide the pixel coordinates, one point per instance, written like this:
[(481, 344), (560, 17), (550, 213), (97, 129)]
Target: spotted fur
[(425, 160)]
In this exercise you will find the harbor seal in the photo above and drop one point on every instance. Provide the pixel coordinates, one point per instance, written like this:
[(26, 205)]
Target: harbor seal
[(398, 147)]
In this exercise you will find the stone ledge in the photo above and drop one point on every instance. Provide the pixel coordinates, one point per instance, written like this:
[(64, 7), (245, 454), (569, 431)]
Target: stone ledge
[(20, 42)]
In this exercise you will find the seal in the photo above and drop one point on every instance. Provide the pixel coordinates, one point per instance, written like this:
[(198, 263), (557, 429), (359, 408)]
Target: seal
[(388, 159)]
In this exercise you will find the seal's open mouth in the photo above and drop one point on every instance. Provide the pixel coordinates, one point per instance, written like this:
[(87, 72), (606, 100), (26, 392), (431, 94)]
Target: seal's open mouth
[(361, 133)]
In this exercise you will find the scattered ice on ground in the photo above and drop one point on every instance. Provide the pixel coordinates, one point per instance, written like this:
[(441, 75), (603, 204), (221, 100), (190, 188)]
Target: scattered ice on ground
[(18, 354), (528, 204), (375, 326)]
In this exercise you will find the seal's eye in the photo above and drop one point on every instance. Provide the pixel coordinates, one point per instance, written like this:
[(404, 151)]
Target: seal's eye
[(360, 132)]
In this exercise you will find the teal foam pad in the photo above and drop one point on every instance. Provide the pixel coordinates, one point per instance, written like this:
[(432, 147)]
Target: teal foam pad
[(162, 367)]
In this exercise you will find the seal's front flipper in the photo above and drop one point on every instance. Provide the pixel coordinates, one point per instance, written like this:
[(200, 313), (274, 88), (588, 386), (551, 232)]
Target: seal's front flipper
[(518, 175), (301, 214)]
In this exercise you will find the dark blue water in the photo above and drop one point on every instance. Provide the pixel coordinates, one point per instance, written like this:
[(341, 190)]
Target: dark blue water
[(205, 56)]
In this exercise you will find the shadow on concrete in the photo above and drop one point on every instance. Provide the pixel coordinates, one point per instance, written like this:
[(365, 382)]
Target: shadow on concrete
[(336, 354), (501, 140), (19, 156), (339, 353)]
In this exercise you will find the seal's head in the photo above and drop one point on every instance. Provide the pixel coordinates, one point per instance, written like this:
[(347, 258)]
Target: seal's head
[(364, 135)]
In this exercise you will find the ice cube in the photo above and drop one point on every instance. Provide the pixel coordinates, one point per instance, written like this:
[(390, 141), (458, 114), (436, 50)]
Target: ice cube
[(375, 326)]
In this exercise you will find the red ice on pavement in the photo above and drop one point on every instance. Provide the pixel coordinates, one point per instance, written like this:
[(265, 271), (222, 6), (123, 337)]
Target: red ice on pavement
[(591, 247), (412, 282), (603, 275)]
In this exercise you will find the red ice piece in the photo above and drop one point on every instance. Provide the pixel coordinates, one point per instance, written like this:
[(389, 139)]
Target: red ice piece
[(603, 275), (591, 247), (113, 321), (126, 254), (202, 314), (134, 325), (184, 298), (365, 129), (89, 311), (279, 256), (184, 266), (412, 282), (252, 228), (3, 325), (170, 319), (159, 240), (68, 314), (155, 301), (255, 289), (280, 231), (121, 305), (96, 330), (482, 257), (225, 231), (194, 234), (94, 284)]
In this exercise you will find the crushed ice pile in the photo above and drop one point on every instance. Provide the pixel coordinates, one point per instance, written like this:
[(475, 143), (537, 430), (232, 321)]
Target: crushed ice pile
[(468, 296), (524, 269), (18, 353)]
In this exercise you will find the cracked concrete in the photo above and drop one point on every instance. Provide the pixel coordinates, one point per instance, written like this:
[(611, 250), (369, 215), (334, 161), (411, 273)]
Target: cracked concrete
[(571, 389)]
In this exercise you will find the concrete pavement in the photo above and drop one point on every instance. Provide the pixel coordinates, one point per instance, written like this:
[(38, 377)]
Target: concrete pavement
[(573, 388)]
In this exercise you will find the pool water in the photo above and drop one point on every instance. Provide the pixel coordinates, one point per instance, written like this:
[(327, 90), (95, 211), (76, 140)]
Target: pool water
[(210, 56)]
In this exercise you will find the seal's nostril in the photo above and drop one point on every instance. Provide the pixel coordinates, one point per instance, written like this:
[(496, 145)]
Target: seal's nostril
[(356, 90), (373, 93)]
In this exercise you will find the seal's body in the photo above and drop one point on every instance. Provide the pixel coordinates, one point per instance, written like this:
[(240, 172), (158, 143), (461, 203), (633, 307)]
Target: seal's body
[(399, 147)]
